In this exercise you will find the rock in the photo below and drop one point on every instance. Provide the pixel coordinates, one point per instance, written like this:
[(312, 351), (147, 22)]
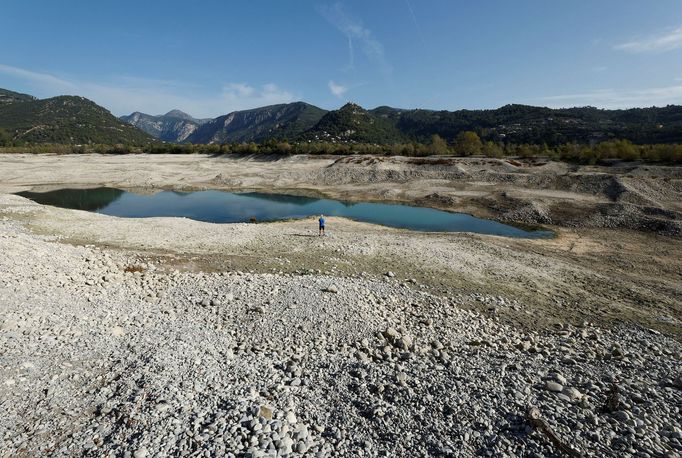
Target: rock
[(405, 342), (265, 412), (391, 335), (678, 382), (525, 345), (559, 378), (572, 393), (291, 417), (215, 303), (285, 446), (117, 331), (331, 289), (205, 303), (140, 452), (621, 416), (553, 386), (390, 274)]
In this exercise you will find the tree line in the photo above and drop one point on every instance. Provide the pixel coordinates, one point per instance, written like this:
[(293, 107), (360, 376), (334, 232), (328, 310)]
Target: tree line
[(466, 143)]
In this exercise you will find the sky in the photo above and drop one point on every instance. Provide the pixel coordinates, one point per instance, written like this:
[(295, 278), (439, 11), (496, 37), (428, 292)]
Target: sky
[(209, 58)]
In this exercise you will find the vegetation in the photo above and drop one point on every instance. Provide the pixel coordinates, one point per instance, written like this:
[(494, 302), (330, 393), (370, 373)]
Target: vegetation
[(353, 123), (570, 152), (515, 124), (7, 97), (64, 120), (69, 124)]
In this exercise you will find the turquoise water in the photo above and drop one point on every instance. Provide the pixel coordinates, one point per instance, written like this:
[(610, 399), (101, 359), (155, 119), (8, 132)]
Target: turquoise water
[(227, 207)]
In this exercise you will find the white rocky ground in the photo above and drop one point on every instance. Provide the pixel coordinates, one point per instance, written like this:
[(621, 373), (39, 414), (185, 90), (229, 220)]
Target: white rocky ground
[(99, 362), (263, 340)]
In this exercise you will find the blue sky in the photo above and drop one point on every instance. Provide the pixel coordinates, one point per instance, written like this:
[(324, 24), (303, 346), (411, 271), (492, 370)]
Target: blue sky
[(212, 57)]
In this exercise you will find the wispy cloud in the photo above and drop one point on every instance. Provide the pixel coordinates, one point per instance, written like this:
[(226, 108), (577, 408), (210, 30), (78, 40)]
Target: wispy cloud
[(613, 98), (416, 24), (337, 89), (667, 40), (354, 30), (125, 94)]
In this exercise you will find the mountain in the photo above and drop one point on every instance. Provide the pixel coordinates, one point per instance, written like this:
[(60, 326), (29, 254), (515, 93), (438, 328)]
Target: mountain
[(64, 119), (353, 123), (528, 124), (76, 120), (288, 120), (175, 126), (510, 123), (7, 97)]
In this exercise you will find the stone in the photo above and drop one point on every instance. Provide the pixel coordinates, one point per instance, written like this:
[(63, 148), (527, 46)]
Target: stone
[(525, 345), (553, 386), (391, 335), (117, 331), (405, 342), (621, 415), (265, 412), (559, 378), (285, 446), (140, 452), (572, 393), (291, 417), (331, 289), (390, 274)]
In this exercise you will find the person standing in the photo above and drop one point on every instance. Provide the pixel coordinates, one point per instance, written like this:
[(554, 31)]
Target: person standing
[(321, 221)]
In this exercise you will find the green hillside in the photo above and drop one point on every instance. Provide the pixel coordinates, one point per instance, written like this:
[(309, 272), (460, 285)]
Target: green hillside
[(353, 123), (508, 124), (66, 120), (538, 125)]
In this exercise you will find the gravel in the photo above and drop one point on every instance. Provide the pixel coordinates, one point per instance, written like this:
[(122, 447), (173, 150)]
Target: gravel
[(97, 361)]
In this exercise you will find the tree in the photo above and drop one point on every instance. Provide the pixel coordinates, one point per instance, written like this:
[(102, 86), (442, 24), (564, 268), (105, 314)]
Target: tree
[(5, 138), (468, 143), (438, 145), (491, 149)]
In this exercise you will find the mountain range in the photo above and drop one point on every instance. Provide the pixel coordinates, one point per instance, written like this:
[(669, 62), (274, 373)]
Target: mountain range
[(75, 120), (175, 126), (300, 121)]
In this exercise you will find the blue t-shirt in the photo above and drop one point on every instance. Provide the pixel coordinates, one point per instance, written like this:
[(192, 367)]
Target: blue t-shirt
[(321, 222)]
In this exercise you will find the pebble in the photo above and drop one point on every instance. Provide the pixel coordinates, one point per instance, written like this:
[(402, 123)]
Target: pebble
[(553, 386), (331, 289)]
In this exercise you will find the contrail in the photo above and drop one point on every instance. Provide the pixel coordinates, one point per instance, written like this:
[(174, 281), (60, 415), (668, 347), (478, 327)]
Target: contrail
[(416, 24)]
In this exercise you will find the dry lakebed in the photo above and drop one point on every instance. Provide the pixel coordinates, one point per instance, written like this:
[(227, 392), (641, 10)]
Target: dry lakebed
[(164, 336)]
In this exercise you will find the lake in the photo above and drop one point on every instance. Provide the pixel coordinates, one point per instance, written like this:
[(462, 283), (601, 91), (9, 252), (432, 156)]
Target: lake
[(229, 207)]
